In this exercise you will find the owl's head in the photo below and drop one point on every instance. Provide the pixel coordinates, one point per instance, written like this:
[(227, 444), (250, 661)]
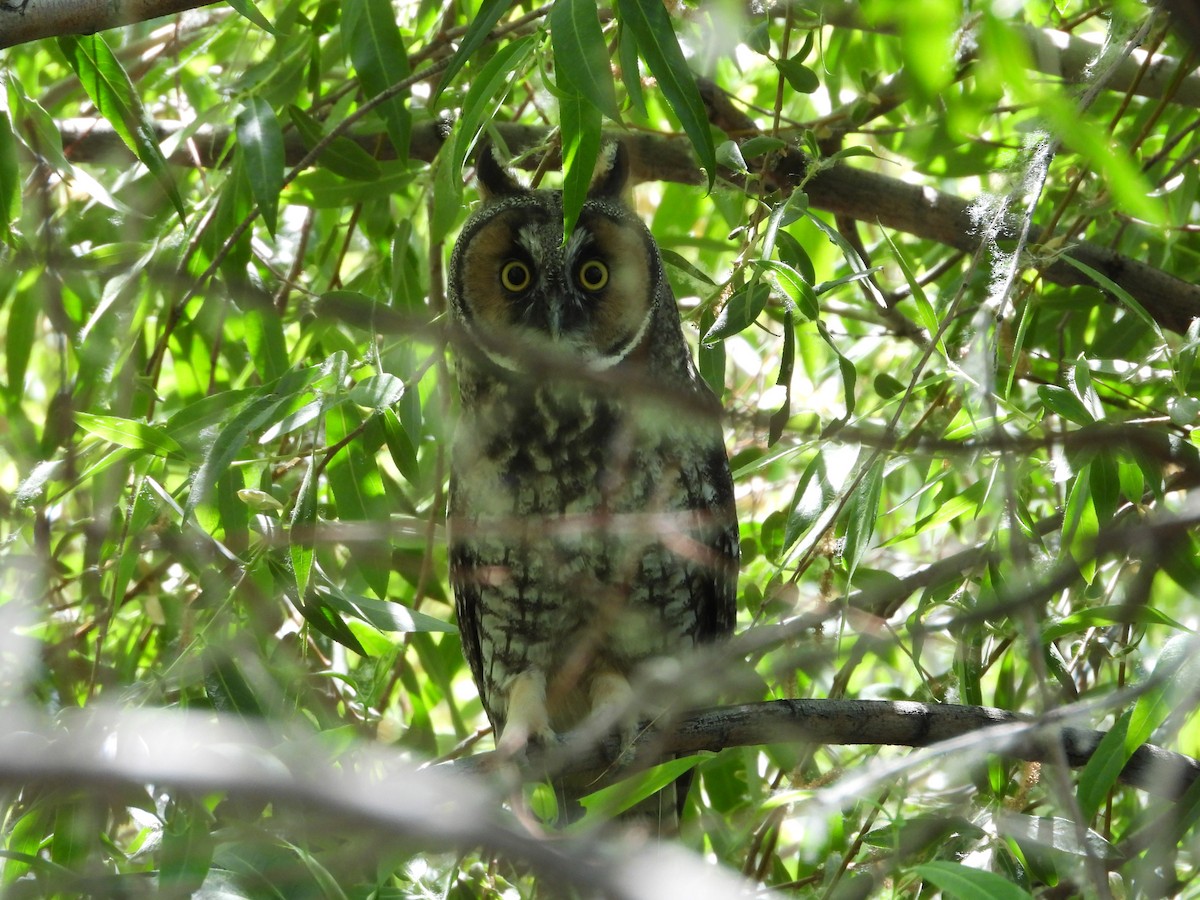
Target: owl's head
[(517, 288)]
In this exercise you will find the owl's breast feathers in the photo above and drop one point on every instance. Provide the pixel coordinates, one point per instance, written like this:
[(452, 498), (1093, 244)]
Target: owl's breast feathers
[(589, 534)]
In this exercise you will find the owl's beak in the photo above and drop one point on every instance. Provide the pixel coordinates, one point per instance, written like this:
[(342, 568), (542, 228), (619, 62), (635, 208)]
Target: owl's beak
[(554, 317)]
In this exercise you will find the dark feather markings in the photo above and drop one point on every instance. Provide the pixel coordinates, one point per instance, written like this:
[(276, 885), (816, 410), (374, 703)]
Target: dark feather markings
[(592, 529)]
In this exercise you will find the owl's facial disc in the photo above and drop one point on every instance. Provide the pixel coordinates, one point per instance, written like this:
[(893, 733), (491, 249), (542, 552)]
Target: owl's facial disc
[(524, 292)]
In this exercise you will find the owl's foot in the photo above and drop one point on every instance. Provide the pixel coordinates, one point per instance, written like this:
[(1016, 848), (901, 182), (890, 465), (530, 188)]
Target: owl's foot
[(614, 703), (527, 720)]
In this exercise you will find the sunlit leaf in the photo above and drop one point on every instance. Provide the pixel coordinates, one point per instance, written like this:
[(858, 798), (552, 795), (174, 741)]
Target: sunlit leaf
[(490, 12), (579, 123), (384, 615), (250, 10), (739, 313), (380, 60), (966, 883), (655, 36), (580, 56), (342, 156), (10, 175), (862, 512), (261, 140), (106, 83), (129, 433)]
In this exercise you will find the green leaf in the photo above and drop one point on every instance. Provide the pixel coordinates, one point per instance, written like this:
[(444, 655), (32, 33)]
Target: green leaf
[(1102, 616), (380, 61), (798, 75), (845, 368), (24, 311), (187, 847), (321, 616), (787, 364), (925, 312), (739, 313), (266, 341), (1104, 768), (229, 442), (234, 205), (357, 486), (1174, 672), (761, 144), (711, 356), (112, 92), (676, 261), (966, 883), (488, 89), (447, 197), (490, 12), (631, 72), (1053, 833), (729, 155), (579, 124), (1182, 564), (1104, 483), (581, 61), (758, 38), (887, 386), (608, 802), (10, 176), (1062, 401), (1119, 293), (377, 391), (400, 447), (860, 516), (1080, 525), (651, 27), (792, 283), (1079, 380), (382, 614), (343, 156), (813, 496), (129, 433), (300, 533), (227, 688), (249, 10), (261, 140)]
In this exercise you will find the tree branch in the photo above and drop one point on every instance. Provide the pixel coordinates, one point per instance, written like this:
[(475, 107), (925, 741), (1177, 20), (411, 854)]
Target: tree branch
[(841, 190), (22, 21), (370, 789), (942, 727)]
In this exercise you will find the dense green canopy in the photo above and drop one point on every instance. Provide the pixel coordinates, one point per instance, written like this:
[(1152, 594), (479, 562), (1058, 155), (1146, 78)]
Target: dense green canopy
[(939, 261)]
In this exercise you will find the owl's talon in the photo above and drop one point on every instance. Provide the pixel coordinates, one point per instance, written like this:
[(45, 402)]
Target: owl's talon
[(528, 719)]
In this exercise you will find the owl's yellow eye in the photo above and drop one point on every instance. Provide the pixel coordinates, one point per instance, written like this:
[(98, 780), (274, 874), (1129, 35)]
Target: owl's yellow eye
[(515, 275), (593, 275)]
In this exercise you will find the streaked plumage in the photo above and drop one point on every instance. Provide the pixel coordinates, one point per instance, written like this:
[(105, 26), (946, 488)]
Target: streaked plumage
[(591, 508)]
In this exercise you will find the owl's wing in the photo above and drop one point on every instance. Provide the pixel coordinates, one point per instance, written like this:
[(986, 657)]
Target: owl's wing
[(716, 600), (467, 605)]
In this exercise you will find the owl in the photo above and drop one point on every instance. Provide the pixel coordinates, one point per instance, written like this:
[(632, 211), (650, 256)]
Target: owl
[(591, 510)]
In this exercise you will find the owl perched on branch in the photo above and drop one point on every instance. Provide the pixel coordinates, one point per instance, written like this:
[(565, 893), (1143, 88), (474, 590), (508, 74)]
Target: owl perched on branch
[(592, 522)]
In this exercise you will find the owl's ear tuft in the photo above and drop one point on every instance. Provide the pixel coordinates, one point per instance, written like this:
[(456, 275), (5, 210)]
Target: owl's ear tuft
[(494, 180), (611, 179)]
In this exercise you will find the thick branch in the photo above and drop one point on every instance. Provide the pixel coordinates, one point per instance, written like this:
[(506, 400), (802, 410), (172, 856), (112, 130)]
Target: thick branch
[(945, 218), (30, 20), (842, 190), (370, 789), (978, 729)]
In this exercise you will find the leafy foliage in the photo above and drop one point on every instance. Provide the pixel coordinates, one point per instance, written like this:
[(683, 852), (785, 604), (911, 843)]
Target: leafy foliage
[(964, 454)]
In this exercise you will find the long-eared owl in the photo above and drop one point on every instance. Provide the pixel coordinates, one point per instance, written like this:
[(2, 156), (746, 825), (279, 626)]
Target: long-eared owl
[(592, 523)]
